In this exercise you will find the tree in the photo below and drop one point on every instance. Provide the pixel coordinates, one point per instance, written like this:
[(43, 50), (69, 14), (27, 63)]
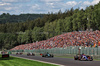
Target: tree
[(37, 34)]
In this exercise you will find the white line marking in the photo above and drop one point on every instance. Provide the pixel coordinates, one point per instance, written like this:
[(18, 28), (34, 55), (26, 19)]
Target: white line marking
[(40, 61)]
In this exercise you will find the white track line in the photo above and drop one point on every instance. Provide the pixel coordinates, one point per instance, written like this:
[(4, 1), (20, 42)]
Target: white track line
[(40, 61)]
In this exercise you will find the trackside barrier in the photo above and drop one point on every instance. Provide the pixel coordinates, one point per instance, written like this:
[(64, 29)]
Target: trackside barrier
[(64, 51)]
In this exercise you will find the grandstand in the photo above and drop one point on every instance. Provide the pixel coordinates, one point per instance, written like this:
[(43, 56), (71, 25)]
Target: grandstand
[(76, 38)]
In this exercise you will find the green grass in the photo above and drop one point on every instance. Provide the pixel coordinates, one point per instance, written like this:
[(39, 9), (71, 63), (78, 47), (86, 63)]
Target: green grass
[(13, 61), (64, 57), (72, 57), (96, 59)]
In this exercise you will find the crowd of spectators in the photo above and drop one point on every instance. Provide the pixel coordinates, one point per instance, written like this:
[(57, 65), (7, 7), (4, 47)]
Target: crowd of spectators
[(75, 38)]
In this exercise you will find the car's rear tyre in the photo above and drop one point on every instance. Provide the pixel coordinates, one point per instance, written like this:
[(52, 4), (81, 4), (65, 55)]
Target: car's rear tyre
[(42, 55), (75, 57), (91, 59)]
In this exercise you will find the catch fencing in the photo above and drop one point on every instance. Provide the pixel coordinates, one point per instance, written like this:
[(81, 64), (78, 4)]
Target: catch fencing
[(64, 51)]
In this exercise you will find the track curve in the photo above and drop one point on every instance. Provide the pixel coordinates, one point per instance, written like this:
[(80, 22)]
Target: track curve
[(62, 61)]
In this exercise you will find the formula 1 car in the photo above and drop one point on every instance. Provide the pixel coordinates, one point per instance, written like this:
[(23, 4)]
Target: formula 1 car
[(83, 57), (47, 55), (30, 54), (19, 53)]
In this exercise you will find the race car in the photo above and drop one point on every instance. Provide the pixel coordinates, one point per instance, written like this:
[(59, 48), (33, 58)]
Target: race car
[(47, 55), (82, 57), (30, 54), (19, 53)]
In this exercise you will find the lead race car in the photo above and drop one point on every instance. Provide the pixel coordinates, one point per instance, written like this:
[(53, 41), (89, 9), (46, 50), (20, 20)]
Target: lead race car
[(84, 57)]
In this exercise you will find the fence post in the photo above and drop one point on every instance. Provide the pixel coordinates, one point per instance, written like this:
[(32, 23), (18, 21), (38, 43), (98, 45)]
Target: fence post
[(97, 50)]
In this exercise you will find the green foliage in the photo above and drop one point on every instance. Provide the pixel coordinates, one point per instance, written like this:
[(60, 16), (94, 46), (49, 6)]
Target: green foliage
[(37, 34), (68, 24), (6, 17), (48, 26), (7, 40)]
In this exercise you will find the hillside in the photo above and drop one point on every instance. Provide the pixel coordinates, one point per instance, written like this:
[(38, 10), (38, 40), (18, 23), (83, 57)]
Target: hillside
[(52, 24), (6, 17)]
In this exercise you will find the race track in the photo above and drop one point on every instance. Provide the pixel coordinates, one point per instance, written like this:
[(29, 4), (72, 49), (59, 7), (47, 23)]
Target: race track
[(62, 61)]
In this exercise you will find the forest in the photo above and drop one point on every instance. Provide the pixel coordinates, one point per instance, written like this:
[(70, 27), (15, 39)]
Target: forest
[(6, 17), (48, 25)]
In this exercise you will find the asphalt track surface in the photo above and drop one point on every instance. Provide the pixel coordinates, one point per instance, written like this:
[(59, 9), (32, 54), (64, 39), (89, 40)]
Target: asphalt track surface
[(62, 61)]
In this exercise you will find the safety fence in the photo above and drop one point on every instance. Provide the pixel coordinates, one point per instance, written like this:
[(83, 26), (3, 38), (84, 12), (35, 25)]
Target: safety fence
[(64, 51)]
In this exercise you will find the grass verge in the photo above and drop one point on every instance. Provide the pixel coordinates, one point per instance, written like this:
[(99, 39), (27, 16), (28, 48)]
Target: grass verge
[(13, 61), (73, 57), (64, 57)]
